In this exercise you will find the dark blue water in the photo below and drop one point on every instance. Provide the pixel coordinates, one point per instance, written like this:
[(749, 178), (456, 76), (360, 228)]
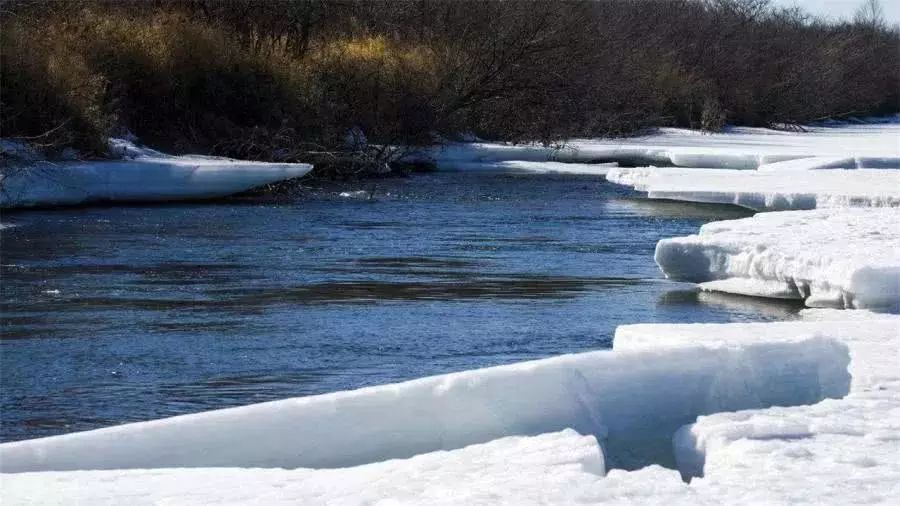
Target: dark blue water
[(118, 314)]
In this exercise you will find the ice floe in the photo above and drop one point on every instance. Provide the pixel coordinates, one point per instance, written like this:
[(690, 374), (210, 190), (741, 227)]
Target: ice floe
[(839, 451), (141, 174), (766, 190), (844, 258)]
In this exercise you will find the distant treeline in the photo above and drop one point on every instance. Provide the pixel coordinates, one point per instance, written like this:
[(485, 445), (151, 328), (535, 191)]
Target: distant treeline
[(283, 79)]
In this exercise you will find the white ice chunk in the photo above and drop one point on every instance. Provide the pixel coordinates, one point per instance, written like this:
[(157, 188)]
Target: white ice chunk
[(845, 258), (632, 401), (356, 194), (766, 190), (141, 175), (839, 451)]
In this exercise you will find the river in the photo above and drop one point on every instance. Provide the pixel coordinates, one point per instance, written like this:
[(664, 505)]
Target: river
[(119, 314)]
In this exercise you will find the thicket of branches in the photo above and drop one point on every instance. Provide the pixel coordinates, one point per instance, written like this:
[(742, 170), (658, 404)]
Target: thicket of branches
[(264, 79)]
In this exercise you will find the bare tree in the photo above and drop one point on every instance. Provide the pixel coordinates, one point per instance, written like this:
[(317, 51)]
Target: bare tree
[(870, 14)]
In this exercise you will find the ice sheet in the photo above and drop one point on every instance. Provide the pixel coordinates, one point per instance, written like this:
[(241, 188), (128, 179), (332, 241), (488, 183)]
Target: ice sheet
[(844, 258), (766, 190), (141, 174)]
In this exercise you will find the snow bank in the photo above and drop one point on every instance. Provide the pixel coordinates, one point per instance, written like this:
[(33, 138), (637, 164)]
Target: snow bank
[(835, 452), (839, 146), (632, 401), (844, 258), (141, 175), (766, 190), (548, 469)]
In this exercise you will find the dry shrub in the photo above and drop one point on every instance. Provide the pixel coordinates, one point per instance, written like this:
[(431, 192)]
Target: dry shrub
[(377, 85), (49, 95), (273, 79)]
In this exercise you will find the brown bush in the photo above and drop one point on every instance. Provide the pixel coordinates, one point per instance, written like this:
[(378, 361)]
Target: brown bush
[(266, 79), (49, 95)]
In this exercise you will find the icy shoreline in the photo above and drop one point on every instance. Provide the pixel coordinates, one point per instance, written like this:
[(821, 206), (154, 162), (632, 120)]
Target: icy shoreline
[(745, 456), (848, 146), (843, 258), (804, 412), (140, 175), (766, 190), (590, 392)]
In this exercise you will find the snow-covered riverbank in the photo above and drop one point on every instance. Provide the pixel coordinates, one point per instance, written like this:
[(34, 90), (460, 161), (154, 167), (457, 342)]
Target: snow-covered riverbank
[(140, 175), (804, 412), (851, 146)]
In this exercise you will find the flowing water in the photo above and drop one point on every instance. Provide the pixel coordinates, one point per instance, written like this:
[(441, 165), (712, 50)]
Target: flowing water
[(119, 314)]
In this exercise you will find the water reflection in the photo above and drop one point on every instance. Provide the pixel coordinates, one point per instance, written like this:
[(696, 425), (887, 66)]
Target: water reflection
[(671, 208), (776, 309)]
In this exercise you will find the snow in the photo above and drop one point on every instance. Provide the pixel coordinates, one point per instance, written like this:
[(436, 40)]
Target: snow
[(356, 194), (834, 146), (550, 469), (844, 258), (766, 190), (632, 402), (839, 451), (141, 174)]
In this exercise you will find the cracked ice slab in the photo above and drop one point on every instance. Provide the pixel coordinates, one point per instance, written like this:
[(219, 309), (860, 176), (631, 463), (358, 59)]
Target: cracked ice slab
[(844, 258), (755, 462), (631, 401), (765, 190), (141, 175), (839, 451)]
